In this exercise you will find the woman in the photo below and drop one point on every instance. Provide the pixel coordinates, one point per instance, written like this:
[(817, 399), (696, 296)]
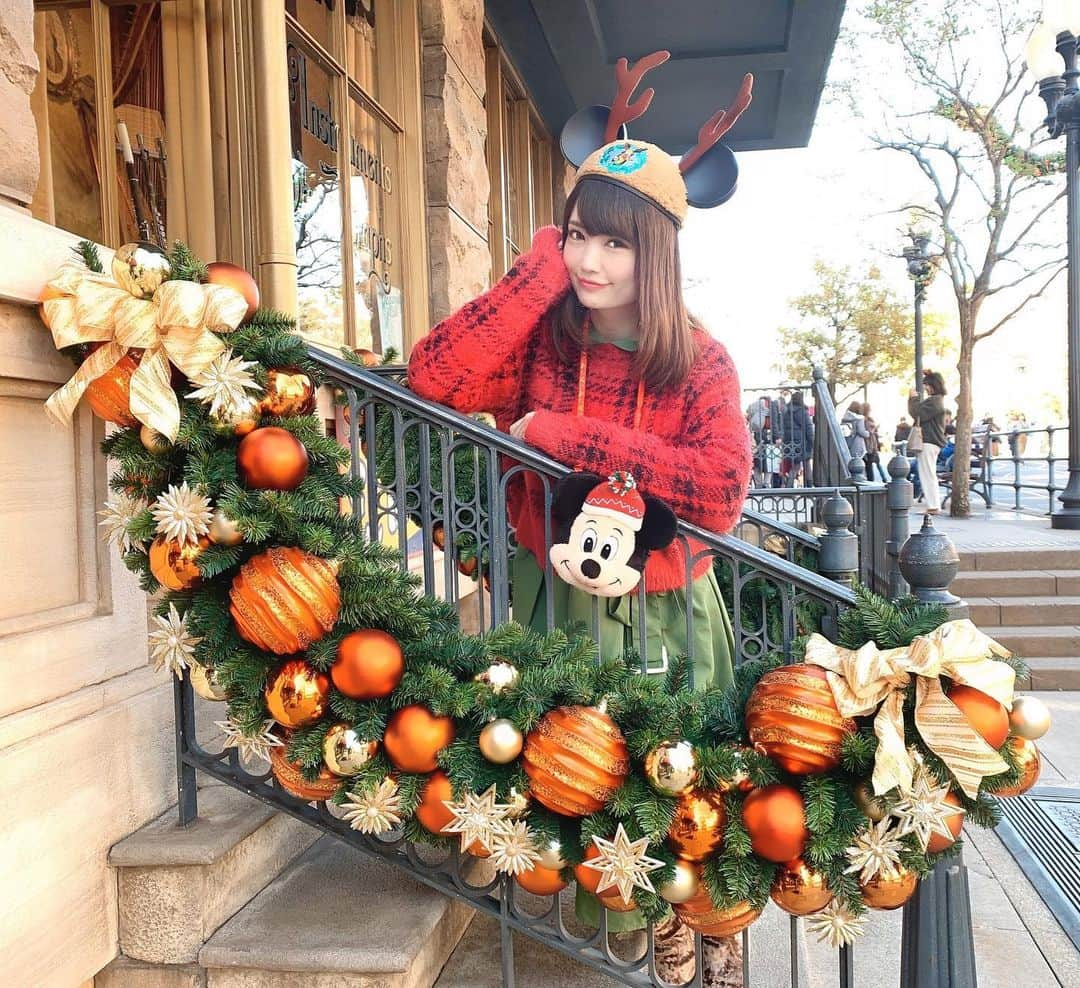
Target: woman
[(930, 414), (798, 438), (872, 458), (853, 426), (585, 351)]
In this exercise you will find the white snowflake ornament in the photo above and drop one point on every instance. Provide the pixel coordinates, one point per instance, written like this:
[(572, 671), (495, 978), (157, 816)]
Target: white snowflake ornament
[(225, 383), (374, 812), (119, 511), (836, 925), (182, 515), (513, 849), (171, 644), (876, 850), (252, 747), (475, 818)]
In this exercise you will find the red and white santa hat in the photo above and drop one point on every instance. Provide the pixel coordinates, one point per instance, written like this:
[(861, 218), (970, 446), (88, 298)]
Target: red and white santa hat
[(618, 498)]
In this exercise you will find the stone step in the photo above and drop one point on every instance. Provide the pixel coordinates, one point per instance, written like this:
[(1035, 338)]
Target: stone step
[(1027, 611), (1046, 640), (998, 583), (1022, 558), (124, 972), (177, 885), (337, 917), (1051, 673)]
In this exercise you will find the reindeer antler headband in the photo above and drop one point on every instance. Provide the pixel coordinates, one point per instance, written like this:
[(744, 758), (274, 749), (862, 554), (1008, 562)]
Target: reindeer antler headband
[(595, 140)]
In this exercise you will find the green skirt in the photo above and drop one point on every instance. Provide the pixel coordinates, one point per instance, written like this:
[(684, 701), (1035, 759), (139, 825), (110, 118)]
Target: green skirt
[(665, 622)]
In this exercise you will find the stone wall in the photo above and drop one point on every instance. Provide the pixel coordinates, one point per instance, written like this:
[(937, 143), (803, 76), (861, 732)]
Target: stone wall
[(455, 128), (18, 136)]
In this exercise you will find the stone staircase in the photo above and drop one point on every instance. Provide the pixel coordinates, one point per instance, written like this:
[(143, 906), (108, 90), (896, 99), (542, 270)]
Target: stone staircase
[(1029, 600)]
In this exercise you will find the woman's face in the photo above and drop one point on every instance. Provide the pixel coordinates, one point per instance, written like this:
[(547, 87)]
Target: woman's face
[(601, 268)]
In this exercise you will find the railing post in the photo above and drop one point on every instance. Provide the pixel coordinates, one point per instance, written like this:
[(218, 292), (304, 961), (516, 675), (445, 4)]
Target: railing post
[(856, 469), (899, 500), (937, 946), (839, 555)]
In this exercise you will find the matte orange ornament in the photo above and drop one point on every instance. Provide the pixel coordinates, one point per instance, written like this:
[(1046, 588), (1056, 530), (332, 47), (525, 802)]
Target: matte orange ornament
[(296, 694), (541, 881), (800, 890), (430, 812), (792, 717), (288, 392), (290, 775), (701, 915), (369, 665), (369, 358), (284, 599), (1030, 764), (983, 713), (588, 878), (698, 827), (576, 759), (415, 736), (271, 459), (614, 901), (890, 889), (109, 396), (235, 277), (174, 565), (776, 820), (955, 823)]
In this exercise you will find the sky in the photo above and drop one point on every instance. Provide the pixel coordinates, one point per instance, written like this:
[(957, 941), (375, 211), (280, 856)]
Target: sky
[(835, 200)]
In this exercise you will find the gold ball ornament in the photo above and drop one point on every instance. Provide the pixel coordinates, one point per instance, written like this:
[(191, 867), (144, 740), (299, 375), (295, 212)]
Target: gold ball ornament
[(682, 887), (698, 826), (1029, 718), (800, 890), (792, 717), (890, 888), (284, 599), (871, 805), (415, 736), (702, 916), (236, 420), (175, 565), (499, 676), (1029, 762), (296, 694), (775, 818), (345, 752), (500, 741), (551, 857), (518, 803), (671, 767), (223, 530), (140, 269), (288, 392), (153, 441), (235, 277), (369, 664), (204, 682), (272, 459)]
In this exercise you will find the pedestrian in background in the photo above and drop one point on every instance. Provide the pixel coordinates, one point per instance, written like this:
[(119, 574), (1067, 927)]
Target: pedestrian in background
[(798, 439), (873, 446), (930, 414), (853, 429)]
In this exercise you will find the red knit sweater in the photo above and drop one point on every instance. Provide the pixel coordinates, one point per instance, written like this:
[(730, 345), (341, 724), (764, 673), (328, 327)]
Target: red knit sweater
[(496, 354)]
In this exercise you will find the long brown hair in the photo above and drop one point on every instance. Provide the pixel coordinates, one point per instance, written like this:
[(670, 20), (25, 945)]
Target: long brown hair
[(666, 347)]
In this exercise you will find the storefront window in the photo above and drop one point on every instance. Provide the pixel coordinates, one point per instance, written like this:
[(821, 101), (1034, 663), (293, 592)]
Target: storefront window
[(317, 18)]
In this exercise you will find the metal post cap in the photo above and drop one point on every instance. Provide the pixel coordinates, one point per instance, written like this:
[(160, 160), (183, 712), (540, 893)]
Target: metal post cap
[(929, 562)]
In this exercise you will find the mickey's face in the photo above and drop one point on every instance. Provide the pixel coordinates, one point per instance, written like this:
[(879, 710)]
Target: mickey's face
[(596, 556)]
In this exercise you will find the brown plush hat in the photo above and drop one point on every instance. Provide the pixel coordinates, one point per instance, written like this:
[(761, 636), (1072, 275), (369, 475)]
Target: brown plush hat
[(595, 140)]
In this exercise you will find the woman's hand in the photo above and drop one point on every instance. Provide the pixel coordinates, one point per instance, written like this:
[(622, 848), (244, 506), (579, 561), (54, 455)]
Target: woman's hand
[(517, 430)]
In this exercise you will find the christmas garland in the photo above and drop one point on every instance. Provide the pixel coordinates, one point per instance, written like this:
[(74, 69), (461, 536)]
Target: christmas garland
[(525, 748)]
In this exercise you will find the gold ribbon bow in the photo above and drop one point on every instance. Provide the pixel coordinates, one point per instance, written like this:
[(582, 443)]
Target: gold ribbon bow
[(863, 679), (176, 326)]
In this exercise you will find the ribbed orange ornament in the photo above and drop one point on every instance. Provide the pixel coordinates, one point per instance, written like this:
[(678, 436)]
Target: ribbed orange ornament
[(109, 396), (576, 760), (791, 716), (291, 777), (284, 599), (430, 812), (541, 881), (701, 915), (415, 736)]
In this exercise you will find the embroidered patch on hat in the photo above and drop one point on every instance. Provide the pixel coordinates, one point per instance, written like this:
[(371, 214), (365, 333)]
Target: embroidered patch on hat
[(624, 157)]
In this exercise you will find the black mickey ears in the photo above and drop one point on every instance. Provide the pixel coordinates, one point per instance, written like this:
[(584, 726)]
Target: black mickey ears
[(709, 168)]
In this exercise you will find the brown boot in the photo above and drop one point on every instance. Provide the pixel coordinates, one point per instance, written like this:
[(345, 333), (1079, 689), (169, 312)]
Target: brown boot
[(723, 962)]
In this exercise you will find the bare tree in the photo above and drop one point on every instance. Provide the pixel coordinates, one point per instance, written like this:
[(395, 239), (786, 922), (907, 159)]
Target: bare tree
[(991, 191)]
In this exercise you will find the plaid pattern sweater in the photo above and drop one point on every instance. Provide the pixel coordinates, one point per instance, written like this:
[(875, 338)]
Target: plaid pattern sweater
[(496, 354)]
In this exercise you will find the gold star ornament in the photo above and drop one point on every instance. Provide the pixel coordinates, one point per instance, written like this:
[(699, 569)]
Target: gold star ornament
[(476, 818), (925, 810), (623, 864)]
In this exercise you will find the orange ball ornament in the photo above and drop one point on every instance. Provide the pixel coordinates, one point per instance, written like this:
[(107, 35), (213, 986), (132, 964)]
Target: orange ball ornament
[(588, 878), (955, 823), (792, 717), (889, 889), (271, 459), (284, 599), (369, 665), (174, 564), (541, 881), (235, 277), (614, 901), (576, 760), (369, 358), (109, 396), (701, 915), (698, 827), (290, 776), (430, 812), (982, 712), (415, 736), (296, 694), (288, 392), (800, 890), (1029, 762), (775, 818)]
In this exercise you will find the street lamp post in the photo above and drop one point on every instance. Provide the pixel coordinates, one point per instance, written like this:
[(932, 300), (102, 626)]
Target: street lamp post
[(921, 271), (1053, 43)]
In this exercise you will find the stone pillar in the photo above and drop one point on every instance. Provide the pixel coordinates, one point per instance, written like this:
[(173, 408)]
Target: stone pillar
[(455, 128), (18, 135)]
